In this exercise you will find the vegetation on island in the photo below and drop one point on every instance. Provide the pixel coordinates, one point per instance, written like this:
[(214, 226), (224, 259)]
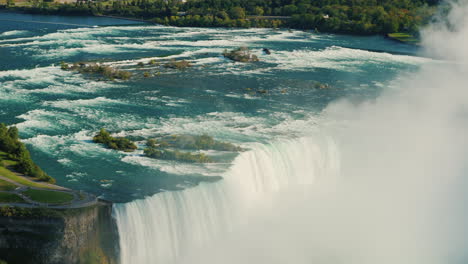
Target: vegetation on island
[(241, 54), (97, 69), (203, 142), (117, 143), (179, 65), (111, 73), (165, 148), (338, 16), (165, 154), (14, 154), (169, 147)]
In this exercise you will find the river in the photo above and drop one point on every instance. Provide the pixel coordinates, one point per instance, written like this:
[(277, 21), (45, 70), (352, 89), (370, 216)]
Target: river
[(297, 135)]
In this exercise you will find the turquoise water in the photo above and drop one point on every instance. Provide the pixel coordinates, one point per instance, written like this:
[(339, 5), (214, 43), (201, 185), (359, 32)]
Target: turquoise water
[(58, 112)]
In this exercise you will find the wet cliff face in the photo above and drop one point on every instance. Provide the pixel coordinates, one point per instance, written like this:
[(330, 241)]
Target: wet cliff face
[(74, 236)]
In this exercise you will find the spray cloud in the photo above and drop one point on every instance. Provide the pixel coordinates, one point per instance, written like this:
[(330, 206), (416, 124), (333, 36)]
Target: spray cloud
[(399, 194)]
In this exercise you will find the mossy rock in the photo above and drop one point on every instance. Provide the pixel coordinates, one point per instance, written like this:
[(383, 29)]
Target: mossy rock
[(241, 54), (179, 65)]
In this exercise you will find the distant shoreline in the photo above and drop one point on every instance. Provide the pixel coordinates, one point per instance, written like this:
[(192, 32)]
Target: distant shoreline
[(5, 10), (126, 18), (144, 21), (237, 17)]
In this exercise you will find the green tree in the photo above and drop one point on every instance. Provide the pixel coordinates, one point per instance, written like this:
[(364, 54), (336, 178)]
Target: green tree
[(237, 13), (258, 11)]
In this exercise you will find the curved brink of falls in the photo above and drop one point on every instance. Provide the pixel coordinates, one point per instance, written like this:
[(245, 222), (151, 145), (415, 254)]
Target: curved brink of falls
[(165, 227)]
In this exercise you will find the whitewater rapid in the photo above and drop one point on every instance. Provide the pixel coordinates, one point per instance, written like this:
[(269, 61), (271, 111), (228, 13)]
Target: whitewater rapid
[(166, 227)]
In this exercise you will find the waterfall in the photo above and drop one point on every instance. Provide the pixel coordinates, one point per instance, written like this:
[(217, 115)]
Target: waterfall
[(395, 192), (164, 227)]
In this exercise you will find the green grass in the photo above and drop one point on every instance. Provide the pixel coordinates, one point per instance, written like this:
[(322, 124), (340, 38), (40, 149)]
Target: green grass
[(6, 160), (10, 198), (6, 186), (52, 197), (10, 175), (404, 37)]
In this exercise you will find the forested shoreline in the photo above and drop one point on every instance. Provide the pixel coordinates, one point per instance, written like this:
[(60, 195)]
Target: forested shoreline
[(335, 16)]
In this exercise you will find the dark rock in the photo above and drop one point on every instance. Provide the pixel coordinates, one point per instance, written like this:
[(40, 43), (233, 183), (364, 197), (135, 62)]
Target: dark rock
[(71, 236), (241, 54)]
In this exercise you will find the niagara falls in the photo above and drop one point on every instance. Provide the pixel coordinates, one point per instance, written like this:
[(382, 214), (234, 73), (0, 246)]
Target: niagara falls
[(233, 131)]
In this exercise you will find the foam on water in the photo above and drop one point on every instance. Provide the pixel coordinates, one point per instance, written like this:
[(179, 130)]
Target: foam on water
[(67, 104), (176, 168), (76, 33), (14, 33), (62, 146), (51, 80), (46, 120), (229, 125), (338, 58)]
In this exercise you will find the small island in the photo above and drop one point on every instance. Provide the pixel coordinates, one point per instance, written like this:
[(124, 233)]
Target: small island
[(97, 69), (241, 54), (165, 154), (166, 148), (169, 147), (202, 142), (178, 65), (119, 143)]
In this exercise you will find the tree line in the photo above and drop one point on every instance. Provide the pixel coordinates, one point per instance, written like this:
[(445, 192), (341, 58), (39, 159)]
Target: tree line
[(15, 150), (340, 16)]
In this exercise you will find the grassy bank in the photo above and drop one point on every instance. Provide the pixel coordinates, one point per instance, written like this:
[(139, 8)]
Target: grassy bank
[(6, 186), (12, 176), (50, 197), (10, 198), (404, 38)]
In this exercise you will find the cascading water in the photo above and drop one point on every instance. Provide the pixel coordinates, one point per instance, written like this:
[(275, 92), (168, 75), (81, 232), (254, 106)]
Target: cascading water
[(393, 193), (165, 227)]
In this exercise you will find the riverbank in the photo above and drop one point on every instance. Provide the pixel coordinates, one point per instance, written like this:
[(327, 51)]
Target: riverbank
[(126, 18), (315, 16), (405, 38), (19, 190)]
